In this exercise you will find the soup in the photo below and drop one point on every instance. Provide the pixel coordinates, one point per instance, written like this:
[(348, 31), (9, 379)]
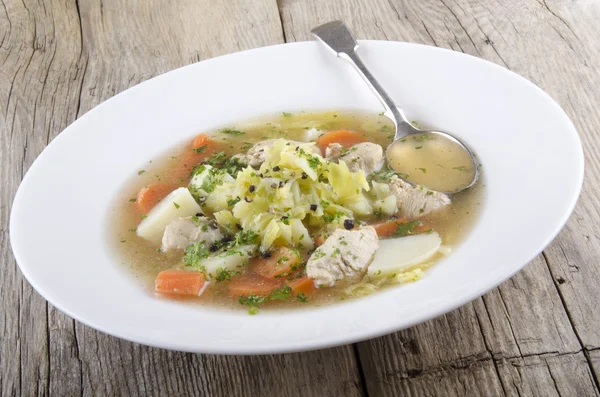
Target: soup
[(295, 210)]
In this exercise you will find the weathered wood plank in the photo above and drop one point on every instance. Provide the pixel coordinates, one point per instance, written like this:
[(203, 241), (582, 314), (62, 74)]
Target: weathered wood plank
[(40, 79), (548, 375), (524, 316)]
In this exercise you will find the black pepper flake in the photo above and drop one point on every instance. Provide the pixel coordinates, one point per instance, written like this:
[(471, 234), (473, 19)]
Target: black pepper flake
[(214, 248), (199, 214), (313, 207), (297, 148), (247, 199), (266, 254), (281, 184), (304, 175), (274, 185), (293, 174), (251, 188), (276, 168), (238, 226), (213, 224), (261, 175), (349, 224)]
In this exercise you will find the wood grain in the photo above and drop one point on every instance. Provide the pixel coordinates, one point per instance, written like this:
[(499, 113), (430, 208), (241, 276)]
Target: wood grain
[(554, 44), (536, 335)]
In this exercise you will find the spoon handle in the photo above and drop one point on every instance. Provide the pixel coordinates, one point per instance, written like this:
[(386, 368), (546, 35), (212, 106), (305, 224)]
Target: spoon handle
[(337, 37)]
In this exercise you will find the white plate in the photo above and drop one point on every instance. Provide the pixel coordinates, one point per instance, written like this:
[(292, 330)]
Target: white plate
[(531, 154)]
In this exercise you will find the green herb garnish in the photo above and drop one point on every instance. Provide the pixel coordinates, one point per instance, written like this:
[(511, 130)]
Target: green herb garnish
[(252, 301), (224, 274), (230, 131), (201, 149), (281, 294)]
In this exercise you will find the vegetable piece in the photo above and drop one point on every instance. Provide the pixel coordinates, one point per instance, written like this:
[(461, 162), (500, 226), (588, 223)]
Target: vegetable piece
[(184, 164), (232, 258), (150, 195), (253, 284), (346, 138), (320, 240), (400, 227), (180, 282), (407, 252), (153, 226), (302, 284), (201, 140), (283, 260)]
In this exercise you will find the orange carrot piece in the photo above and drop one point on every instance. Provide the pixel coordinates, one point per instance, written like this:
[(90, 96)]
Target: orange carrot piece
[(346, 138), (302, 284), (179, 282), (281, 261), (253, 284), (320, 240), (200, 140), (150, 195), (389, 228)]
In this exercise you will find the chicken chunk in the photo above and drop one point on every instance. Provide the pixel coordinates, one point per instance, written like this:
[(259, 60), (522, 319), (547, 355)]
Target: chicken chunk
[(184, 231), (256, 154), (346, 254), (364, 156), (416, 201)]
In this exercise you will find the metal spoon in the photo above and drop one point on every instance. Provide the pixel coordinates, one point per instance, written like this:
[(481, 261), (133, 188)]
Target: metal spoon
[(337, 37)]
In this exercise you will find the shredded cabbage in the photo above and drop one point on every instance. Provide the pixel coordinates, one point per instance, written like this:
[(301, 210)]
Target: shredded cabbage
[(293, 188)]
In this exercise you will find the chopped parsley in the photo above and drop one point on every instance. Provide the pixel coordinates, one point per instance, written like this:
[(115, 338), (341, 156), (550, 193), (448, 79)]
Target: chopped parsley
[(318, 254), (461, 168), (201, 149), (286, 114), (424, 170), (301, 297), (132, 200), (406, 229), (224, 274), (252, 301), (418, 147), (230, 131), (177, 206), (195, 253), (233, 201), (281, 294), (140, 172)]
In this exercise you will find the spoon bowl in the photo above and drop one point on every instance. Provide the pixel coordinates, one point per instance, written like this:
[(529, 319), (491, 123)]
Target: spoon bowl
[(453, 166), (435, 159)]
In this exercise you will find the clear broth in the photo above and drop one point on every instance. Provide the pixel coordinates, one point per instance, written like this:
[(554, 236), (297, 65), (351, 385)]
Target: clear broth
[(141, 259)]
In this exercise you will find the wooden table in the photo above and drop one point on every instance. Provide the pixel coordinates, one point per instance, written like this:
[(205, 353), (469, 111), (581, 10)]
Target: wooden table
[(537, 334)]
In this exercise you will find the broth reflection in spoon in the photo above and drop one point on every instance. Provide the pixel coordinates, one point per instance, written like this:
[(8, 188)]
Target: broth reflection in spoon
[(433, 160)]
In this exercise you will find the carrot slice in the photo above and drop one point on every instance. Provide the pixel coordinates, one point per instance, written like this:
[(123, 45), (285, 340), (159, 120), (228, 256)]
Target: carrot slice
[(389, 228), (320, 240), (253, 284), (302, 284), (150, 195), (283, 260), (179, 282), (346, 138), (200, 140)]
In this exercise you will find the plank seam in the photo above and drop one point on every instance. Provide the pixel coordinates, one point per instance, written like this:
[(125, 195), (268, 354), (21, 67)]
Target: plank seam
[(361, 373)]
